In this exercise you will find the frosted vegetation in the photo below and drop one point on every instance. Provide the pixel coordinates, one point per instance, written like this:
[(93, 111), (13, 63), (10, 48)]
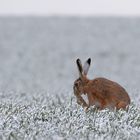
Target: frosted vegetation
[(37, 71), (61, 118)]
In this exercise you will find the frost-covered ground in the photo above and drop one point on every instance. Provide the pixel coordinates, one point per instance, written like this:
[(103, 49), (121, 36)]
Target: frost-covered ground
[(37, 70)]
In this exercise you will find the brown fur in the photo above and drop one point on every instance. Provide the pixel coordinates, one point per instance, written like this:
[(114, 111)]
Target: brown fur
[(101, 92)]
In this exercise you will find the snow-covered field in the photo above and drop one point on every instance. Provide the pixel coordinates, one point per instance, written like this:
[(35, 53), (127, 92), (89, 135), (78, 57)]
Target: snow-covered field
[(37, 71)]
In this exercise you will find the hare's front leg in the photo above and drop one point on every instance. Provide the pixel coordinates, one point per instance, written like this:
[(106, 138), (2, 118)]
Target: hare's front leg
[(80, 100)]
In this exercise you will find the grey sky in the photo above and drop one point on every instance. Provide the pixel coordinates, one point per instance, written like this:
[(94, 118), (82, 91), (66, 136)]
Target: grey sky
[(70, 7)]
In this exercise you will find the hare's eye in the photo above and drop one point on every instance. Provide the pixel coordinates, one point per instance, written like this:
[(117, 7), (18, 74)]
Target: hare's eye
[(76, 84)]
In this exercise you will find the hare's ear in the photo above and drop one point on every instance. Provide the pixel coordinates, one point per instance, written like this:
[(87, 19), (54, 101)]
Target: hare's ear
[(86, 66), (79, 65)]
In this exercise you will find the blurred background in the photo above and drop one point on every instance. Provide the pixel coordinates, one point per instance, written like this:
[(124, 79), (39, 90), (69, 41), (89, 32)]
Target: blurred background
[(41, 39)]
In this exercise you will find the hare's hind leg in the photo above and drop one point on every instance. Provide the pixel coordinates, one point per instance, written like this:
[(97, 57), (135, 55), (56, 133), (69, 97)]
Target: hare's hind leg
[(121, 105)]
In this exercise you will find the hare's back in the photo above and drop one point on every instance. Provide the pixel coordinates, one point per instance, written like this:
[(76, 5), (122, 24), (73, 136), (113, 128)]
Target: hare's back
[(110, 90)]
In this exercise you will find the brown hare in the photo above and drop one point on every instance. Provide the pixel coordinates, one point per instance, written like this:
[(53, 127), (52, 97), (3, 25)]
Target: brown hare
[(100, 92)]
